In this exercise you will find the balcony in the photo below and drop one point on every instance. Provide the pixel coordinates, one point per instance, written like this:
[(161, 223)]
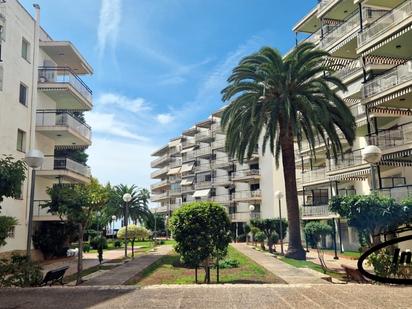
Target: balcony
[(160, 184), (398, 193), (352, 159), (358, 111), (63, 167), (217, 128), (175, 163), (222, 164), (160, 162), (389, 82), (203, 168), (390, 138), (203, 185), (221, 180), (187, 189), (159, 173), (188, 143), (159, 197), (189, 156), (316, 175), (353, 69), (248, 196), (392, 20), (204, 152), (175, 192), (65, 88), (317, 212), (219, 144), (204, 136), (63, 127), (246, 176), (41, 214), (222, 199), (244, 216)]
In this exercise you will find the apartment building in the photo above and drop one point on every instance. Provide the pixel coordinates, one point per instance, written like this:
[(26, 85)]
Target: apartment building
[(42, 100), (195, 166), (370, 46)]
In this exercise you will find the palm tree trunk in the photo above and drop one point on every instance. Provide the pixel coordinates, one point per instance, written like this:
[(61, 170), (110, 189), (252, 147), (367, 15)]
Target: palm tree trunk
[(295, 248), (80, 255)]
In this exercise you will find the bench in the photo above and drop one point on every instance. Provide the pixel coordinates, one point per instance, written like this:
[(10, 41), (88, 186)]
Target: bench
[(54, 275), (354, 274)]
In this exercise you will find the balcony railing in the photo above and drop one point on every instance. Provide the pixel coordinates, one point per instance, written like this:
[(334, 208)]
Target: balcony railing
[(175, 191), (317, 211), (159, 172), (159, 184), (387, 21), (245, 195), (204, 151), (203, 135), (158, 197), (39, 211), (53, 118), (389, 138), (187, 189), (218, 144), (221, 180), (216, 127), (203, 168), (388, 80), (349, 70), (314, 175), (244, 216), (398, 193), (358, 111), (175, 163), (175, 178), (63, 75), (189, 156), (338, 33), (224, 199), (160, 160), (247, 173), (188, 143), (203, 185), (52, 164), (351, 159), (221, 163)]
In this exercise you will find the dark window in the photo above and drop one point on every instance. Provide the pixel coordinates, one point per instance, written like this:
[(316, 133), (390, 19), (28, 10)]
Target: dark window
[(23, 94), (25, 47), (254, 166), (254, 187)]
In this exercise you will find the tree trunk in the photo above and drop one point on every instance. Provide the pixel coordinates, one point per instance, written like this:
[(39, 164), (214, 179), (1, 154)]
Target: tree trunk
[(133, 248), (295, 249), (80, 256), (270, 246)]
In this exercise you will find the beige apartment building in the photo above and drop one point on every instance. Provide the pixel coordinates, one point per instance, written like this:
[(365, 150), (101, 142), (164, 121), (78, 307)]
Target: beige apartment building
[(42, 99), (370, 43)]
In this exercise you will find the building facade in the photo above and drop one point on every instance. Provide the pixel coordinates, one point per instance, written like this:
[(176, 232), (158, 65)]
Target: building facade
[(42, 101), (195, 166), (370, 46)]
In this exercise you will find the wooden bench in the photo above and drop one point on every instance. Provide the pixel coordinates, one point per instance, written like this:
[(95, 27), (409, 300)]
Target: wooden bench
[(54, 275), (354, 274)]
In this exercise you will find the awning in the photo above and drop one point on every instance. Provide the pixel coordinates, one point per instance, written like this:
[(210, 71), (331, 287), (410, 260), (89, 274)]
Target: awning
[(187, 149), (356, 175), (187, 182), (393, 111), (201, 193), (399, 158), (174, 143), (173, 171), (187, 167)]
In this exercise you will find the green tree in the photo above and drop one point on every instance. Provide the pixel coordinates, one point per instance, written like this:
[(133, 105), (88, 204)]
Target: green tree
[(260, 237), (314, 230), (160, 223), (133, 232), (268, 227), (201, 231), (6, 225), (275, 101), (372, 214), (77, 202)]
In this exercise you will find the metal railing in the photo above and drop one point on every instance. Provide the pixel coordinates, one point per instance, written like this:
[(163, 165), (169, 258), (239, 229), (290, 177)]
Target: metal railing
[(187, 189), (314, 175), (358, 111), (221, 180), (38, 210), (159, 172), (64, 75), (244, 216), (387, 21), (351, 159), (55, 118), (188, 143), (246, 173), (340, 31), (159, 184), (203, 135), (189, 156), (218, 144), (51, 163), (203, 185), (175, 163), (398, 193), (316, 211), (204, 151), (392, 78), (349, 70), (175, 191), (244, 195), (175, 178), (160, 196), (389, 138), (160, 160)]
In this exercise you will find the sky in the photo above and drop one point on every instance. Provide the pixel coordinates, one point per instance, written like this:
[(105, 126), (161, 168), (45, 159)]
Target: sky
[(159, 66)]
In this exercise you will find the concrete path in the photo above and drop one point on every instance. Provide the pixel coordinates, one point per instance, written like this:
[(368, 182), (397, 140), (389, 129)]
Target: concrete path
[(288, 273), (214, 296), (125, 272)]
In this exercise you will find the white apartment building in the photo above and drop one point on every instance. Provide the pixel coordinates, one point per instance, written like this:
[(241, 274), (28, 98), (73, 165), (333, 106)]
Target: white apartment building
[(42, 99), (370, 43), (195, 166)]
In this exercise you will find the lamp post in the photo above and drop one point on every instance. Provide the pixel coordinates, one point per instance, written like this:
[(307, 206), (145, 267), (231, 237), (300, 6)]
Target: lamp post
[(98, 214), (127, 197), (34, 159), (155, 226), (372, 154), (279, 196), (251, 209), (113, 219)]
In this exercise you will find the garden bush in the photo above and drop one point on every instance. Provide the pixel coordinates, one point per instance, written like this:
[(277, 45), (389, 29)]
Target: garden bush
[(261, 237), (314, 231), (117, 244), (19, 271), (229, 263), (99, 242), (86, 247)]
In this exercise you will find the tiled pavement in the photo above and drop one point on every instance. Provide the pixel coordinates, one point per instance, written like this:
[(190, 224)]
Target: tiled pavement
[(211, 297)]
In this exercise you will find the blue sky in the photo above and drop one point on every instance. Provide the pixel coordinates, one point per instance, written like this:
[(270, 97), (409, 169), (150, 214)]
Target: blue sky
[(160, 65)]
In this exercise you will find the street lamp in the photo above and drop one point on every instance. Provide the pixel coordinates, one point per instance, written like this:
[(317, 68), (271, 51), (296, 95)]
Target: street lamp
[(34, 159), (372, 154), (127, 197), (113, 219), (251, 209), (279, 196)]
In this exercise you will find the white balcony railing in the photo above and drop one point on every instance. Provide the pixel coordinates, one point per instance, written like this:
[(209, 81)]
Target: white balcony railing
[(160, 196), (53, 164), (175, 163), (204, 151), (203, 135), (159, 184), (349, 70), (387, 21), (203, 185), (247, 173), (388, 80), (159, 172), (52, 118), (341, 31), (244, 216), (245, 195), (358, 111), (351, 159), (160, 160), (393, 137), (314, 175), (317, 211)]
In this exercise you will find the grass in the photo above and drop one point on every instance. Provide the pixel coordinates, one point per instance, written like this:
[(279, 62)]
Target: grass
[(348, 254), (145, 246), (169, 270), (311, 265)]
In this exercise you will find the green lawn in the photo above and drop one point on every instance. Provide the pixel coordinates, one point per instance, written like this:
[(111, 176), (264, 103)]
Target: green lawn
[(169, 270), (349, 254)]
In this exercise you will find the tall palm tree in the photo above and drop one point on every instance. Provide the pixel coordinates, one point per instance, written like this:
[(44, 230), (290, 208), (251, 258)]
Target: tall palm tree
[(276, 102)]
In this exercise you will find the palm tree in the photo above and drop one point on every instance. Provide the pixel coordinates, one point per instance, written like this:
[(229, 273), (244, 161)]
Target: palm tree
[(276, 102)]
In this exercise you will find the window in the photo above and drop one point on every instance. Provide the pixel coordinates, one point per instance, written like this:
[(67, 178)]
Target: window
[(25, 48), (21, 140), (11, 232), (23, 94)]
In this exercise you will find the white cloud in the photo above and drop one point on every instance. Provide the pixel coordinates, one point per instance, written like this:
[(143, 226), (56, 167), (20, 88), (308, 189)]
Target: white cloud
[(165, 118), (109, 21), (108, 124), (135, 105)]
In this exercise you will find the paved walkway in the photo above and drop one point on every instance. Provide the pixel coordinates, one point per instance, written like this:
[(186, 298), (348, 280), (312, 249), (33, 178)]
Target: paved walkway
[(288, 273), (213, 296), (125, 272)]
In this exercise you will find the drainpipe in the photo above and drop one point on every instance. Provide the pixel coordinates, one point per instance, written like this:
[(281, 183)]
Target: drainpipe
[(360, 16)]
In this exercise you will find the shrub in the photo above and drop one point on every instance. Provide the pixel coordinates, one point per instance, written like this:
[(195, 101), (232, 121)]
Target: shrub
[(274, 238), (314, 231), (241, 238), (20, 272), (261, 237), (133, 232), (269, 226), (98, 242), (229, 263), (6, 224), (117, 244), (86, 247)]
